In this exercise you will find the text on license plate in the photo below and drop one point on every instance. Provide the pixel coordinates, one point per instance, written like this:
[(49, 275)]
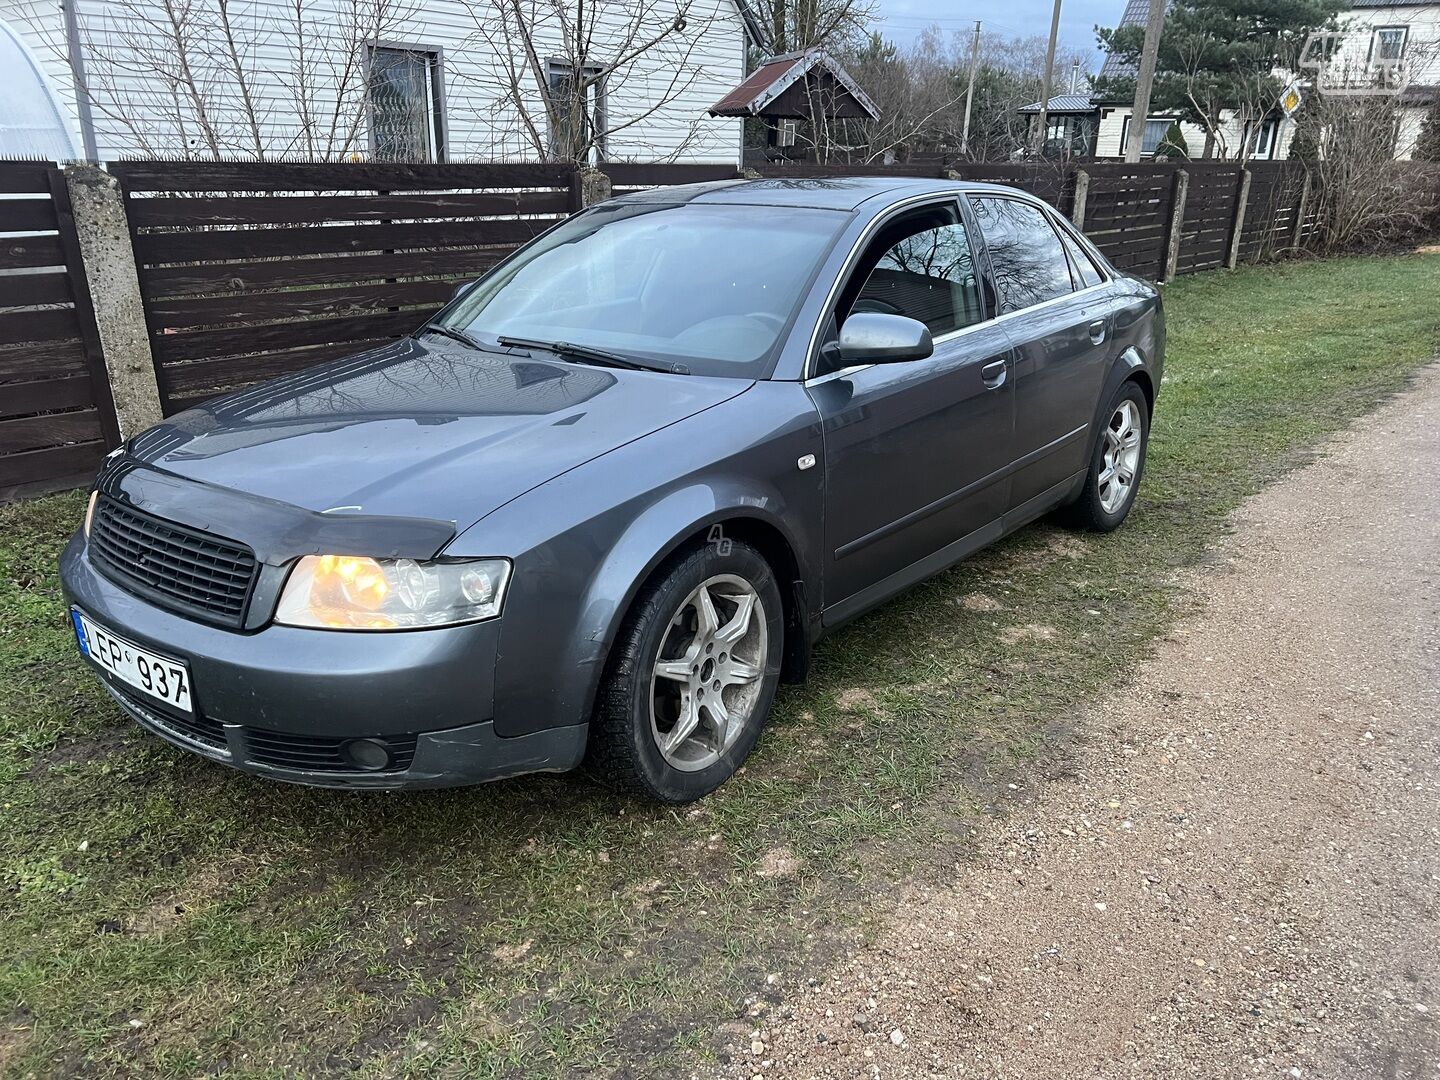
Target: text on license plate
[(158, 676)]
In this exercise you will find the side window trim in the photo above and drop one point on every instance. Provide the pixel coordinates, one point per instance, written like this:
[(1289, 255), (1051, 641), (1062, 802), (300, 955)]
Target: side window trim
[(1078, 242)]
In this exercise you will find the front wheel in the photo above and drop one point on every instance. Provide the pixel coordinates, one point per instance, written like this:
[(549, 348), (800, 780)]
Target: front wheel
[(691, 677), (1117, 464)]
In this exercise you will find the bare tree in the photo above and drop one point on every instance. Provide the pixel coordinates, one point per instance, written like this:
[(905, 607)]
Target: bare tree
[(920, 92), (570, 76), (792, 26), (1365, 198), (229, 78)]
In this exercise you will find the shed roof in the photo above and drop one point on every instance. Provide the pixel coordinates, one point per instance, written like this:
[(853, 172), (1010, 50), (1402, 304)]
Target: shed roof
[(760, 93), (1063, 103)]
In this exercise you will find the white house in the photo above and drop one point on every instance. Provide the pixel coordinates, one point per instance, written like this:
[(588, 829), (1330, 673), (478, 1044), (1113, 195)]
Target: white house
[(1380, 46), (402, 80)]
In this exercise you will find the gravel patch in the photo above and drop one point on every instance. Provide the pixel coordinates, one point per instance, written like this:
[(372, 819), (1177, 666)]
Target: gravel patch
[(1241, 876)]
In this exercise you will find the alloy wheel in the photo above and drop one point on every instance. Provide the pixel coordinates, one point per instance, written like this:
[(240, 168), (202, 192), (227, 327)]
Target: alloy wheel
[(1120, 457), (707, 674)]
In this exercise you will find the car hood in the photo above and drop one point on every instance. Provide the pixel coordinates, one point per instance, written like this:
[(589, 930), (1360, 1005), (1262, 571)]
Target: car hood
[(413, 430)]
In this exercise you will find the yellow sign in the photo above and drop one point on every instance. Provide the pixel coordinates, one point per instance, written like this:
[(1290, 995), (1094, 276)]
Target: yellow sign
[(1290, 99)]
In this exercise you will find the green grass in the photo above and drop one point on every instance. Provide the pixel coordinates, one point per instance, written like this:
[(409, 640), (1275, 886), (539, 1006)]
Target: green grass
[(159, 914)]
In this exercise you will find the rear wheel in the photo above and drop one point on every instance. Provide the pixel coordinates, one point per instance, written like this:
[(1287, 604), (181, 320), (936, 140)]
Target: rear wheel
[(1117, 465), (692, 676)]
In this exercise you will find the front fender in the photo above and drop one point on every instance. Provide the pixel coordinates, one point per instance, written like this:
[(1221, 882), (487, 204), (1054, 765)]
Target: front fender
[(585, 543), (673, 522)]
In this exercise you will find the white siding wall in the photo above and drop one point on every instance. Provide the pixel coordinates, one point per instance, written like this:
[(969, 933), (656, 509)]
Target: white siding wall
[(1421, 56), (140, 112), (1112, 129)]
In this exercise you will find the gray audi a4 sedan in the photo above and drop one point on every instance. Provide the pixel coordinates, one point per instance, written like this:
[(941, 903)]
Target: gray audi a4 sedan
[(608, 499)]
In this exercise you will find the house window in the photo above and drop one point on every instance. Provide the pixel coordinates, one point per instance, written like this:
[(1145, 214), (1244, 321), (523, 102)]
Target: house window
[(788, 131), (1152, 137), (1265, 133), (407, 104), (577, 132), (1387, 44)]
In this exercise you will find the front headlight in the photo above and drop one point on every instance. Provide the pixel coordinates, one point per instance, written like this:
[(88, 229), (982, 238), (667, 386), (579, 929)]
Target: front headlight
[(350, 592)]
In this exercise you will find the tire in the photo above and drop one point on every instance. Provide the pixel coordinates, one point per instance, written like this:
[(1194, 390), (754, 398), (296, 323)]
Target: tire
[(637, 741), (1100, 506)]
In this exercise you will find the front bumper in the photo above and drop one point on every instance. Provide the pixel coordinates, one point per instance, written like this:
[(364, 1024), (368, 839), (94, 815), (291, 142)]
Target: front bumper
[(282, 701)]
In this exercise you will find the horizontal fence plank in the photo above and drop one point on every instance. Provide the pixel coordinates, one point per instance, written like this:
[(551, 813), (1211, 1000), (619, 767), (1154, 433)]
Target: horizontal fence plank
[(342, 300), (210, 246), (20, 252), (338, 176), (27, 215), (460, 263), (46, 325), (36, 470), (28, 290), (25, 177), (231, 341), (48, 359), (23, 399), (55, 429), (201, 379), (292, 209), (627, 174)]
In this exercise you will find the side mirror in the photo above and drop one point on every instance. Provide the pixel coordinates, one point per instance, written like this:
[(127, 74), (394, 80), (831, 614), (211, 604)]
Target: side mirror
[(873, 338)]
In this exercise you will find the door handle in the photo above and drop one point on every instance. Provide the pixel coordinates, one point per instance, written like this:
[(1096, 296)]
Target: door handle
[(1097, 332), (993, 374)]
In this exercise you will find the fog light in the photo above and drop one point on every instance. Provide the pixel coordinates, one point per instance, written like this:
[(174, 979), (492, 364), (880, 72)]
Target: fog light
[(372, 755)]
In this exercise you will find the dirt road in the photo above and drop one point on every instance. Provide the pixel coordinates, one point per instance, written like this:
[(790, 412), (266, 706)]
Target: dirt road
[(1242, 876)]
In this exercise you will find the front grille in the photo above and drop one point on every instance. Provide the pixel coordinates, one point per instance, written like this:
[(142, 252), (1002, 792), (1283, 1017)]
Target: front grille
[(318, 754), (176, 566), (197, 728)]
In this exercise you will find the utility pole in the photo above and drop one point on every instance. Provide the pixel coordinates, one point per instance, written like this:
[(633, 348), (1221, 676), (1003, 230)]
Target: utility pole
[(970, 90), (1049, 75), (75, 53), (1154, 23)]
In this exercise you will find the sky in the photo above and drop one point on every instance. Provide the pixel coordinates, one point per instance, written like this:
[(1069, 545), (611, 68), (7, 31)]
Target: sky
[(902, 20)]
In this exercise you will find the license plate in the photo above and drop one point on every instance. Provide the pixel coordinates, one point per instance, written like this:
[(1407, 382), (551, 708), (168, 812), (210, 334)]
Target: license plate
[(158, 676)]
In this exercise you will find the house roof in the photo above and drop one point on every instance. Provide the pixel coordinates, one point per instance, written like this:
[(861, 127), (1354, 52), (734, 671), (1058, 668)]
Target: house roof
[(1387, 3), (1135, 14), (760, 93), (1063, 103)]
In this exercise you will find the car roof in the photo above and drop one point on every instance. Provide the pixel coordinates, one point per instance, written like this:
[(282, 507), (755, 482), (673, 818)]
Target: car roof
[(826, 193)]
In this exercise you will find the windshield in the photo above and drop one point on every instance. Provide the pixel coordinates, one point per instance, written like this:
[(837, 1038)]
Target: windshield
[(708, 287)]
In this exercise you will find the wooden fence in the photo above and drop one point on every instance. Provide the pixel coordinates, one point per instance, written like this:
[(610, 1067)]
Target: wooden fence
[(56, 417), (250, 270)]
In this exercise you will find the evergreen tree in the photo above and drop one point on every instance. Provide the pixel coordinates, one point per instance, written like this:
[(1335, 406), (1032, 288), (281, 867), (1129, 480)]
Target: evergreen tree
[(1218, 55), (1173, 145)]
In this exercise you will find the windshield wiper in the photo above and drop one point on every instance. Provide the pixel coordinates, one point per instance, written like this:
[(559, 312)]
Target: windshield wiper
[(588, 354), (458, 335)]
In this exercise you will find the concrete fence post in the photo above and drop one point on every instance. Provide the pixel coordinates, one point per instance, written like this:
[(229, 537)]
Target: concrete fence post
[(103, 235), (1179, 191), (1232, 260), (1302, 210), (1082, 196), (595, 187)]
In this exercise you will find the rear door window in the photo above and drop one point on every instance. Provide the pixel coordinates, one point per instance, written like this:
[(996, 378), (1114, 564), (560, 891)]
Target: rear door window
[(1026, 258)]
